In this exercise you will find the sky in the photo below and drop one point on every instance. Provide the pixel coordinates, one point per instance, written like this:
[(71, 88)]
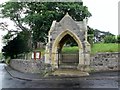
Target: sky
[(104, 16)]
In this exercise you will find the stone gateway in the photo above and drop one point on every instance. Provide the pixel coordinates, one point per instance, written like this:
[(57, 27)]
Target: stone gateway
[(79, 63), (59, 33)]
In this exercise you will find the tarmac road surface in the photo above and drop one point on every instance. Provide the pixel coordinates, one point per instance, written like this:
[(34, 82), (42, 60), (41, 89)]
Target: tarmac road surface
[(96, 80)]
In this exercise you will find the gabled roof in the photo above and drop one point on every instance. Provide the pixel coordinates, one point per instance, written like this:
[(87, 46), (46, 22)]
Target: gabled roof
[(69, 23), (67, 16)]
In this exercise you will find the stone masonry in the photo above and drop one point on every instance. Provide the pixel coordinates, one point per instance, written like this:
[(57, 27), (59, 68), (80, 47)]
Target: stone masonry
[(30, 66), (77, 30), (105, 61), (99, 62)]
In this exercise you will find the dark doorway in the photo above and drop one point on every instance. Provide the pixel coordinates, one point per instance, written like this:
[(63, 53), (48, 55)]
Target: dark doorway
[(68, 53)]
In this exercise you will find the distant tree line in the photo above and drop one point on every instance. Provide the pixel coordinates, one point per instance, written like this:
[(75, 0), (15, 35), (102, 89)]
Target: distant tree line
[(97, 36)]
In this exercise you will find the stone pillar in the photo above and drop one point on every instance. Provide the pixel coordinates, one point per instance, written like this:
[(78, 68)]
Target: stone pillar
[(87, 56), (55, 59), (87, 59), (47, 54), (81, 57), (81, 61), (84, 58)]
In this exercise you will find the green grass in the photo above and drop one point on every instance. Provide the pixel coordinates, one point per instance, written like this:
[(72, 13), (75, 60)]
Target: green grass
[(102, 47), (68, 50)]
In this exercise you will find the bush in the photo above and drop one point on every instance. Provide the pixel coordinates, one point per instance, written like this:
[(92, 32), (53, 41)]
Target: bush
[(7, 61), (90, 39), (118, 39), (110, 39)]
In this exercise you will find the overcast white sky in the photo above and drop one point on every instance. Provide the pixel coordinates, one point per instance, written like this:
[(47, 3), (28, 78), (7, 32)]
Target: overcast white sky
[(104, 16)]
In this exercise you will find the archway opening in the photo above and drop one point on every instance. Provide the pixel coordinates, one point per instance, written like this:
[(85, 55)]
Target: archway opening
[(68, 52)]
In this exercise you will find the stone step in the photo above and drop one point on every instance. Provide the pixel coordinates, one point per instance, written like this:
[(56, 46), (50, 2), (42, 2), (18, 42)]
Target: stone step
[(69, 73), (68, 66)]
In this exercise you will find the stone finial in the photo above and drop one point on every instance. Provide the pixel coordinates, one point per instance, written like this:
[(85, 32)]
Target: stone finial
[(85, 20), (67, 14)]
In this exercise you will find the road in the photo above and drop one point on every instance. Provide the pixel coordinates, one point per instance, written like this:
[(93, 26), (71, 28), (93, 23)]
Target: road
[(96, 80)]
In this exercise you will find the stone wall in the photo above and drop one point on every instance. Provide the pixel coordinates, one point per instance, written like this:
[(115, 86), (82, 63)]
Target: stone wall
[(104, 61), (99, 62), (30, 66)]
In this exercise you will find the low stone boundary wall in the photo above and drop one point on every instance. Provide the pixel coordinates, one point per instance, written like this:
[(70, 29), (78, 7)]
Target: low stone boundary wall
[(31, 66), (105, 61), (99, 62)]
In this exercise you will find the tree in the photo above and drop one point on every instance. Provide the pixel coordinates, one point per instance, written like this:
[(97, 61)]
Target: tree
[(16, 46), (90, 35), (118, 39), (110, 39), (97, 36), (38, 16)]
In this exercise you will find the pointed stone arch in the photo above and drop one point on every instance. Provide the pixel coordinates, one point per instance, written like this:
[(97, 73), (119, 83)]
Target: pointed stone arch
[(56, 42), (78, 31), (62, 34)]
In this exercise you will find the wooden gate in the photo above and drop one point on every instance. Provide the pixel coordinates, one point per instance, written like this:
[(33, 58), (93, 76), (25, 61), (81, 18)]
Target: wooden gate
[(69, 58)]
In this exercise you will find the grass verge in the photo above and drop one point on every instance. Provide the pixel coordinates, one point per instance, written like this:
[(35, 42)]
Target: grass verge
[(98, 47), (104, 47)]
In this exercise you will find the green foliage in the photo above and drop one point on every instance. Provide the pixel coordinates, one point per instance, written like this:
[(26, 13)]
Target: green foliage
[(6, 38), (110, 39), (90, 39), (7, 60), (118, 39), (69, 41), (39, 15), (90, 35), (95, 35), (16, 46), (90, 30)]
